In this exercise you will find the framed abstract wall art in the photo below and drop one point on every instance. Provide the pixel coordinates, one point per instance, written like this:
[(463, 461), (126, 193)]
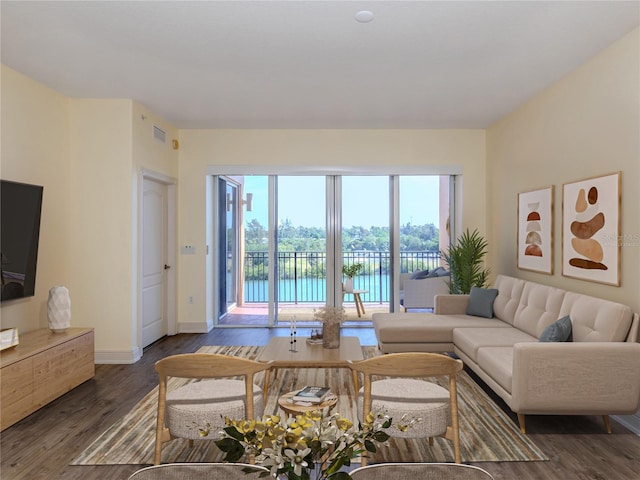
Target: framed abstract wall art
[(535, 230), (591, 228)]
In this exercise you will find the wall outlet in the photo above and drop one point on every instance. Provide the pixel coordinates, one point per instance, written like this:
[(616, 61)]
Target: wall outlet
[(190, 299), (188, 250)]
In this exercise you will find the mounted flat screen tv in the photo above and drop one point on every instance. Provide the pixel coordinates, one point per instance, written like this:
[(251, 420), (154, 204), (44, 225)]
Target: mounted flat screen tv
[(20, 208)]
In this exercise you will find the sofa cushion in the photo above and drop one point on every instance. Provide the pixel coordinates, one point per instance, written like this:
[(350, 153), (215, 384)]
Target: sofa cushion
[(470, 340), (419, 275), (596, 320), (559, 331), (497, 362), (481, 302), (508, 299), (438, 272), (424, 327), (539, 307)]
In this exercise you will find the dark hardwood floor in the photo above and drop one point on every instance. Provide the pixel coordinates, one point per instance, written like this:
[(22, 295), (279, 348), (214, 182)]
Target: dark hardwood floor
[(42, 445)]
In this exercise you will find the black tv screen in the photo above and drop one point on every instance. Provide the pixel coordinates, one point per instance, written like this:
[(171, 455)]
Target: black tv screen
[(20, 208)]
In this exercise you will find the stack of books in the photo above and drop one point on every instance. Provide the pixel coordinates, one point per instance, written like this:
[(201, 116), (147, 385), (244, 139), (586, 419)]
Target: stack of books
[(312, 394)]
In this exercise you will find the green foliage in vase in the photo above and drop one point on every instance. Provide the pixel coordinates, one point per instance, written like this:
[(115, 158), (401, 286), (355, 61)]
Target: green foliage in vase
[(352, 270), (466, 262)]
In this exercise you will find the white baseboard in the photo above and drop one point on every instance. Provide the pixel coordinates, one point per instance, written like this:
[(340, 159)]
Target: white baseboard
[(117, 357), (196, 327), (632, 422)]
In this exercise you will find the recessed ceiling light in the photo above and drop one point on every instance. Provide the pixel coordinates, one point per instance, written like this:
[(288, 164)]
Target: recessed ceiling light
[(364, 16)]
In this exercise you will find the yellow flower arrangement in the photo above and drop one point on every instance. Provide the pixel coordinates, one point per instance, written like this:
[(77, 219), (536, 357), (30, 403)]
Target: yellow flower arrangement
[(315, 442)]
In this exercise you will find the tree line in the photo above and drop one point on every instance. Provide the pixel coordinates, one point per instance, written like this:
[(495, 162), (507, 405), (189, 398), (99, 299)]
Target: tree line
[(291, 238), (358, 241)]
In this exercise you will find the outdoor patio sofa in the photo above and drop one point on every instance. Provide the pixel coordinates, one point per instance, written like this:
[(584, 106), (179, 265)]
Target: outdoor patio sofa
[(418, 289), (595, 372)]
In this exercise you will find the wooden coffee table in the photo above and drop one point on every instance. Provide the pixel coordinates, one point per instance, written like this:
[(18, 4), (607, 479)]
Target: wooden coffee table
[(309, 356)]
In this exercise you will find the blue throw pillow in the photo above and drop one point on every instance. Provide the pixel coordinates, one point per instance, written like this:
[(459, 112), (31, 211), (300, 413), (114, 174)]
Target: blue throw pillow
[(559, 331), (481, 302), (419, 274)]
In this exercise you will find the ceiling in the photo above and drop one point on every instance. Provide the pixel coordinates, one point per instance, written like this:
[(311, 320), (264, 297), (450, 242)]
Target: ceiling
[(310, 64)]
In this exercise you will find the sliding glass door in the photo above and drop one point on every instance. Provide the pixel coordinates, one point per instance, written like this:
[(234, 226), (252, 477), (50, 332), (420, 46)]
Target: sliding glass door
[(366, 242), (283, 239), (301, 246)]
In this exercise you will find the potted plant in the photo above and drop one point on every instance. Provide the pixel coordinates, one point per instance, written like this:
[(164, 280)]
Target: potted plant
[(350, 271), (466, 260)]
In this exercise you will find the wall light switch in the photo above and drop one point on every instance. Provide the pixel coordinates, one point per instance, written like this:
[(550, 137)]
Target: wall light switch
[(188, 250)]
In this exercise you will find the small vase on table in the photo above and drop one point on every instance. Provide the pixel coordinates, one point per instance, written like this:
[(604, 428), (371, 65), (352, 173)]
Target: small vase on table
[(331, 335), (331, 318)]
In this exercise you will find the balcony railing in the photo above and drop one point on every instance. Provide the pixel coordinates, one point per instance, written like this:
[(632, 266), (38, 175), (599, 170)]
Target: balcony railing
[(302, 275)]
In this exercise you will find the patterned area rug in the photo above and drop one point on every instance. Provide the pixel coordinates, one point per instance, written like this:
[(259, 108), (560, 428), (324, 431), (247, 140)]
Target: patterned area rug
[(487, 434)]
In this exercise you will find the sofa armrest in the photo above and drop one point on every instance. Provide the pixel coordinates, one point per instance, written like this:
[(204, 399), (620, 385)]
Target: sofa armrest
[(634, 330), (589, 378), (451, 304)]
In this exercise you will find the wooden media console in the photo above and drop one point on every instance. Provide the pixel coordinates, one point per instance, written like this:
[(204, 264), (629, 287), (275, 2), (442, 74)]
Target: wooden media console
[(44, 366)]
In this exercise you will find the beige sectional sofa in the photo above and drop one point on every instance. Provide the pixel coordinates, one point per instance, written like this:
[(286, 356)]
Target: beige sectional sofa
[(596, 373)]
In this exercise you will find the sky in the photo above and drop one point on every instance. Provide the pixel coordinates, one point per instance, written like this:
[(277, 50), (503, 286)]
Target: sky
[(365, 200)]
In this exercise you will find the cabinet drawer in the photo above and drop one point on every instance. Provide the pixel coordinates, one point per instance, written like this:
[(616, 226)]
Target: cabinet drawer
[(61, 368), (16, 386)]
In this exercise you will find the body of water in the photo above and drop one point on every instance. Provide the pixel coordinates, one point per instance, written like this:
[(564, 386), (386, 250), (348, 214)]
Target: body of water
[(313, 290)]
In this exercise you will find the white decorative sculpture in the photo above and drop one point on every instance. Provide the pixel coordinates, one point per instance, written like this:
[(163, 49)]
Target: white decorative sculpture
[(59, 309)]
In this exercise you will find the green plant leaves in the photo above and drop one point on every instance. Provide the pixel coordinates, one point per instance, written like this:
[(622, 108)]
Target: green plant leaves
[(466, 261), (233, 449), (352, 270)]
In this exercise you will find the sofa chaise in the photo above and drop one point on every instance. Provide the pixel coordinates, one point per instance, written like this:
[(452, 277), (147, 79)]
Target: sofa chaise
[(597, 372)]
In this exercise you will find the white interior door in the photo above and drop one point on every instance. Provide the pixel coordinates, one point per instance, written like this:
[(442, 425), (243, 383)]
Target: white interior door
[(154, 255)]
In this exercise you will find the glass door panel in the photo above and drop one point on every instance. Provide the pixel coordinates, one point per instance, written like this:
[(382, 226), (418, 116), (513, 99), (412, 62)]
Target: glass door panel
[(423, 217), (246, 286), (301, 247), (419, 223), (231, 245), (227, 244), (365, 240)]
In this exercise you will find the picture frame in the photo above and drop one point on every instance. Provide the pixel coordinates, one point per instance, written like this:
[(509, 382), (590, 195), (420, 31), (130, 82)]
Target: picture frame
[(591, 229), (535, 230)]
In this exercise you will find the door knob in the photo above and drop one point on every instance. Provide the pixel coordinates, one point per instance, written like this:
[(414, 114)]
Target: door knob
[(167, 267)]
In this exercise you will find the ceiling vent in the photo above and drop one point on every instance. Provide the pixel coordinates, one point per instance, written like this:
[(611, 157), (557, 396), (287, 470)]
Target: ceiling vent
[(159, 134)]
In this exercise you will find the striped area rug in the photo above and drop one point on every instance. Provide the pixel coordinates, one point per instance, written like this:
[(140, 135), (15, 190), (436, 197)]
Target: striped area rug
[(487, 434)]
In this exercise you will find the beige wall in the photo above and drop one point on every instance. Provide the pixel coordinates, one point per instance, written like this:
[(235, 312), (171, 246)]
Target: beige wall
[(316, 149), (101, 286), (147, 151), (111, 141), (586, 125), (35, 149), (87, 154)]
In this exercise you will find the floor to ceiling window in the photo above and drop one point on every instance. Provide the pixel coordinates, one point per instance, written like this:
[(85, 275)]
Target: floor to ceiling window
[(366, 241), (282, 241), (301, 247)]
